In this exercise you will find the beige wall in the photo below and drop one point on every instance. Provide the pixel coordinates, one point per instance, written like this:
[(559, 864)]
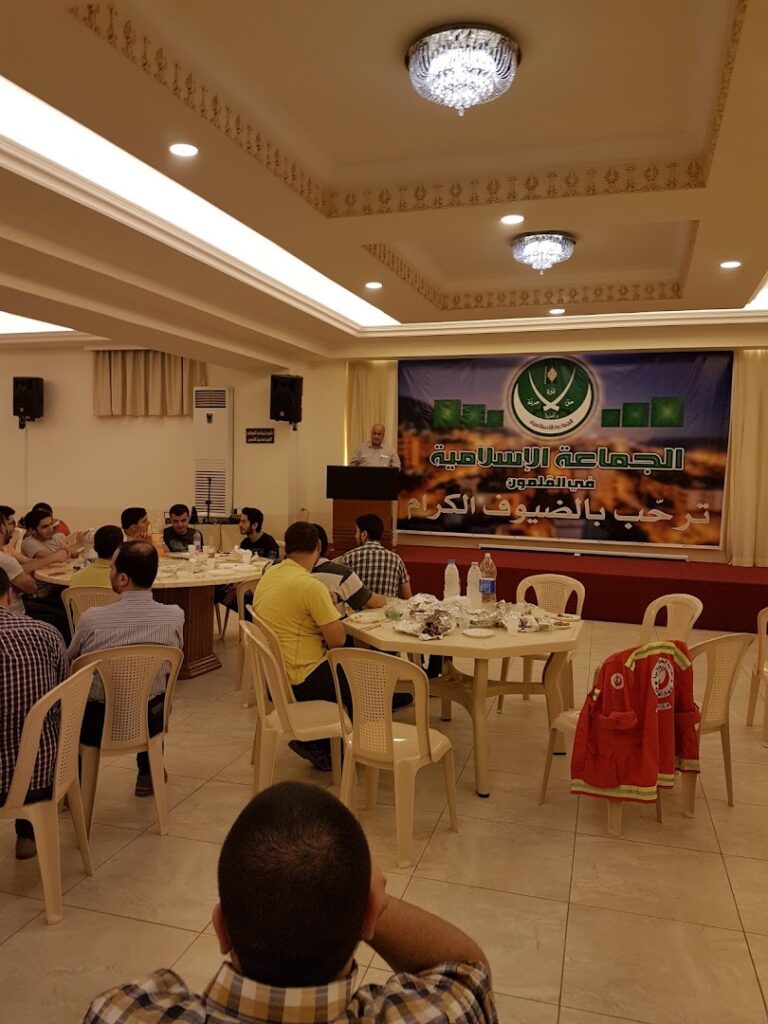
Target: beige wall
[(89, 468)]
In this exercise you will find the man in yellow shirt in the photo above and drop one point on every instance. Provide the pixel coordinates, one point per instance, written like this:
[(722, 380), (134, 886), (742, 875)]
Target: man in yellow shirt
[(106, 541), (298, 608)]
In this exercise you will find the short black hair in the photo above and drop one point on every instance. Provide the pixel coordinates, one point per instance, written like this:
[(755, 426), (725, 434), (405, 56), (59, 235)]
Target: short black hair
[(33, 519), (301, 537), (254, 516), (130, 516), (7, 511), (294, 878), (323, 539), (372, 525), (178, 510), (107, 540), (5, 583), (138, 560), (43, 505)]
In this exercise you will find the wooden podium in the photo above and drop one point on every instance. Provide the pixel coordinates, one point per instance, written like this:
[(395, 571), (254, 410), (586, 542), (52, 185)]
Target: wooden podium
[(357, 491)]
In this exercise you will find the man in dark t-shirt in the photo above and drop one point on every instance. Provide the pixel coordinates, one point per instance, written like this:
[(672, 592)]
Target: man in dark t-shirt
[(179, 535)]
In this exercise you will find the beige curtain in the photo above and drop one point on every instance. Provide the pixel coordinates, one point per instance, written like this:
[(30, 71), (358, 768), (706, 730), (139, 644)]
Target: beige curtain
[(371, 398), (746, 536), (144, 383)]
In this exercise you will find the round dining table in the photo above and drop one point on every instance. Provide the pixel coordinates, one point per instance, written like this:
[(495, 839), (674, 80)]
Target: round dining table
[(470, 691), (190, 585)]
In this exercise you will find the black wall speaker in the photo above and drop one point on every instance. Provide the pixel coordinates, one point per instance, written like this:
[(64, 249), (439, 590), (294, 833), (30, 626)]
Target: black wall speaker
[(285, 398), (28, 397)]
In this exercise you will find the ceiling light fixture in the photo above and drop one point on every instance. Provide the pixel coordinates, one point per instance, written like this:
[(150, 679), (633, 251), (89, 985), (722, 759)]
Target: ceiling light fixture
[(541, 250), (185, 149), (512, 218), (730, 264), (373, 285), (461, 66), (557, 311)]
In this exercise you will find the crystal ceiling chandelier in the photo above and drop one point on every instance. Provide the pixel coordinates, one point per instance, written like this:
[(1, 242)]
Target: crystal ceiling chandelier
[(460, 66), (541, 250)]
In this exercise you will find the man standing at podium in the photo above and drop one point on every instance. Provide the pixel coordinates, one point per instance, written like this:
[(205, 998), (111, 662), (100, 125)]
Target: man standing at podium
[(375, 452)]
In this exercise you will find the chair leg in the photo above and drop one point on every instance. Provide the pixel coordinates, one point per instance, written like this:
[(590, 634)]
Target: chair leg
[(615, 812), (240, 664), (75, 801), (348, 779), (754, 690), (155, 752), (217, 611), (264, 751), (405, 792), (336, 761), (571, 698), (226, 620), (725, 739), (689, 794), (450, 789), (445, 709), (504, 673), (371, 787), (548, 764), (527, 677), (659, 808), (89, 768), (45, 821)]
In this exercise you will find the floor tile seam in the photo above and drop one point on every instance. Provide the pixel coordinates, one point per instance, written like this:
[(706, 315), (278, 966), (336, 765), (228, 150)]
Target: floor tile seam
[(23, 926), (602, 1013), (488, 888), (568, 911), (140, 920), (646, 842), (735, 929), (763, 990), (515, 821)]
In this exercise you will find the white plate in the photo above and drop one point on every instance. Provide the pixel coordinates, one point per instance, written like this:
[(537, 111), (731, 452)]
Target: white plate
[(366, 618), (477, 633)]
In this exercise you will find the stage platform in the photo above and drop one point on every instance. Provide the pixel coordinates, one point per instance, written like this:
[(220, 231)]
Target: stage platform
[(618, 589)]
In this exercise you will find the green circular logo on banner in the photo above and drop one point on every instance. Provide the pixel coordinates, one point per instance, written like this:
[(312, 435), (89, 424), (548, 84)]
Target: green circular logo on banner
[(552, 397)]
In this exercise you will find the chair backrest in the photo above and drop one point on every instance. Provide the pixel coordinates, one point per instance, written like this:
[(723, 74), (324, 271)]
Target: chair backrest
[(682, 612), (128, 674), (723, 655), (76, 600), (553, 680), (372, 678), (242, 590), (552, 592), (251, 638), (762, 639), (270, 670), (269, 638), (71, 695)]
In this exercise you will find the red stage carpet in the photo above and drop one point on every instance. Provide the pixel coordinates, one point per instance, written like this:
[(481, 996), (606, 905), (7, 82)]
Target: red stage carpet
[(618, 589)]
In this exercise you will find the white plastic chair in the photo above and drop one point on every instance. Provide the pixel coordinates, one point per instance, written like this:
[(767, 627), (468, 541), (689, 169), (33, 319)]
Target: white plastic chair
[(375, 740), (76, 600), (241, 592), (552, 592), (760, 673), (71, 696), (724, 655), (279, 715), (128, 674), (682, 612)]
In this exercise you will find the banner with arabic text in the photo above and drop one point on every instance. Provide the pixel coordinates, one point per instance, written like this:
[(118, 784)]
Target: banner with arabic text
[(618, 447)]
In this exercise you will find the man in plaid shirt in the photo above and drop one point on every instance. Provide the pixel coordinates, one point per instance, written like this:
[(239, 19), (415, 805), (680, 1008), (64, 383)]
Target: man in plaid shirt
[(382, 571), (298, 892), (32, 662)]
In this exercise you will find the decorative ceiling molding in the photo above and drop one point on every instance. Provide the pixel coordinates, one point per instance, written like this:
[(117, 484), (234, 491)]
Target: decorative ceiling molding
[(512, 298), (583, 180)]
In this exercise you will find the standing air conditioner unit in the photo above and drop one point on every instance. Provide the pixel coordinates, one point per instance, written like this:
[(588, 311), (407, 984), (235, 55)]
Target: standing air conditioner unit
[(213, 428)]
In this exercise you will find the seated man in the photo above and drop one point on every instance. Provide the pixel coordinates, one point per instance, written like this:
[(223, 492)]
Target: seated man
[(135, 619), (344, 585), (40, 542), (32, 662), (299, 610), (21, 582), (17, 532), (298, 891), (381, 570), (135, 523), (106, 541), (41, 539), (179, 535), (59, 526), (259, 544)]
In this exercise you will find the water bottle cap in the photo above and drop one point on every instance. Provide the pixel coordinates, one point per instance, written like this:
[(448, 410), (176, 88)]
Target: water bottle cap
[(451, 561)]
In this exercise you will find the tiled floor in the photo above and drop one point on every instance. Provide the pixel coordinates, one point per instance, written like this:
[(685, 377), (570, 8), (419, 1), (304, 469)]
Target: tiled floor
[(667, 925)]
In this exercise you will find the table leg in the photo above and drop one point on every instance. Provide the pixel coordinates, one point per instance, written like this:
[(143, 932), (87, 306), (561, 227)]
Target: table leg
[(479, 694), (197, 605)]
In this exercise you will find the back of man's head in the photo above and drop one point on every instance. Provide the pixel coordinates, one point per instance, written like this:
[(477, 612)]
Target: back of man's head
[(44, 506), (33, 519), (130, 516), (301, 538), (323, 539), (372, 525), (7, 511), (294, 878), (138, 560), (107, 540)]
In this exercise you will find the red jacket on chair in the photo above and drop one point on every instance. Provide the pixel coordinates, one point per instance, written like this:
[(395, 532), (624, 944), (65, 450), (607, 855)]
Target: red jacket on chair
[(638, 725)]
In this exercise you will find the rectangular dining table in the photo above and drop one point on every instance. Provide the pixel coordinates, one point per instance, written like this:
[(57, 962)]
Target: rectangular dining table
[(471, 691)]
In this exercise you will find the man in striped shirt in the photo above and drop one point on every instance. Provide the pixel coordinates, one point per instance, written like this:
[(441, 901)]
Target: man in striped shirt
[(136, 618)]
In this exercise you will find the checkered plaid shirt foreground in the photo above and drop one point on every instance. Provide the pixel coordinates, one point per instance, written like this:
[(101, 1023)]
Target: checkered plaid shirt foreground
[(32, 662), (382, 571), (448, 994)]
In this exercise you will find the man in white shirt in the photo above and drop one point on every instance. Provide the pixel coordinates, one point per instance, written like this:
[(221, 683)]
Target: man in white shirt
[(21, 581), (41, 538), (375, 453)]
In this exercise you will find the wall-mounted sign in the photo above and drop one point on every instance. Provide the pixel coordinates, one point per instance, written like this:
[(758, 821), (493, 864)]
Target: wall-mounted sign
[(259, 435)]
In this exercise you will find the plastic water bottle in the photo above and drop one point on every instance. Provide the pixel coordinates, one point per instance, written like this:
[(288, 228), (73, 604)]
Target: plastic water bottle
[(487, 579), (89, 553), (452, 587), (473, 585)]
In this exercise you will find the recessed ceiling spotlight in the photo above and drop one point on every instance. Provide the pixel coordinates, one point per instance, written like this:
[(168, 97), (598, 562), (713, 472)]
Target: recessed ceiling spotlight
[(373, 286), (730, 264), (557, 311), (512, 218), (185, 149)]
